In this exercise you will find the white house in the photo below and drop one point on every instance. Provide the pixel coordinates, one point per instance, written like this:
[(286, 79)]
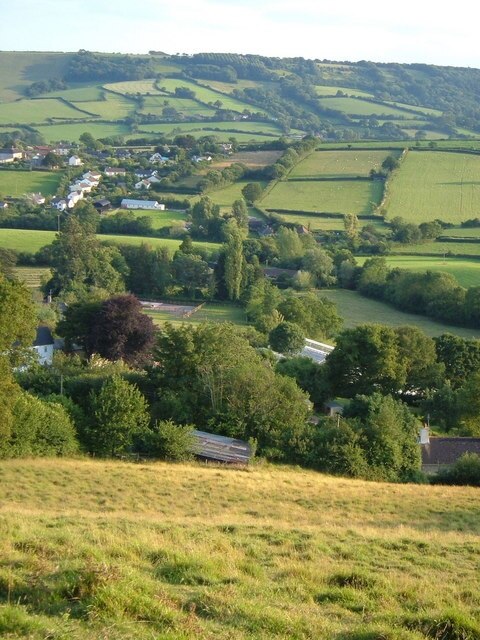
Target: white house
[(157, 157), (141, 204), (44, 345), (74, 161), (115, 171), (143, 184), (6, 158), (59, 203), (73, 197)]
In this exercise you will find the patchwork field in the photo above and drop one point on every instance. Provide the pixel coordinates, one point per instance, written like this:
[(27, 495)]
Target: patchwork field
[(330, 164), (122, 551), (72, 132), (31, 241), (189, 108), (223, 131), (112, 108), (432, 185), (467, 272), (132, 87), (356, 309), (204, 94), (17, 183), (358, 107), (37, 111), (251, 159), (329, 196)]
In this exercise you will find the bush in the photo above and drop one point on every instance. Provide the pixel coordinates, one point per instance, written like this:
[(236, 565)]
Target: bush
[(465, 471), (170, 441)]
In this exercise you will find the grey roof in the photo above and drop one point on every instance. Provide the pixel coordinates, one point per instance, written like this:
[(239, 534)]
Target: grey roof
[(44, 337), (211, 446), (448, 450)]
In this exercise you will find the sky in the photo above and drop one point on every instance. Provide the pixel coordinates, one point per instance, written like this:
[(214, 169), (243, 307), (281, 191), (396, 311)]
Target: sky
[(406, 31)]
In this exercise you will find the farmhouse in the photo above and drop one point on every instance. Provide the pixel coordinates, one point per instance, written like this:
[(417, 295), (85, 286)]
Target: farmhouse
[(60, 204), (441, 453), (141, 204), (44, 345), (143, 184), (73, 197)]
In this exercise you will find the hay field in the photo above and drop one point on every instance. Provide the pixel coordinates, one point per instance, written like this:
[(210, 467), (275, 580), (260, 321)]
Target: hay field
[(431, 184), (329, 196), (112, 550)]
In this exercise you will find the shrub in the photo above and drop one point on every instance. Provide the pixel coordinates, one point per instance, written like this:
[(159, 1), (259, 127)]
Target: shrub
[(170, 441), (466, 470)]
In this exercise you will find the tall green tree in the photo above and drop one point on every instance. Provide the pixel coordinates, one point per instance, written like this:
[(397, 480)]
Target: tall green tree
[(234, 262)]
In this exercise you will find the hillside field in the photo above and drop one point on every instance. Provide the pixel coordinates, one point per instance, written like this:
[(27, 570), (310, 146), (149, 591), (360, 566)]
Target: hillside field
[(326, 196), (466, 271), (330, 164), (430, 185), (17, 183), (121, 551), (31, 241), (72, 132), (356, 309)]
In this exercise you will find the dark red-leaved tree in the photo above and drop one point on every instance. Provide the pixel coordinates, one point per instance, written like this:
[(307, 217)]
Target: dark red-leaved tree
[(119, 330)]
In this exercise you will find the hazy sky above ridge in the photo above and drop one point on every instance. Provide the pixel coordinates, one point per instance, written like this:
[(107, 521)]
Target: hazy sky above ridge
[(409, 31)]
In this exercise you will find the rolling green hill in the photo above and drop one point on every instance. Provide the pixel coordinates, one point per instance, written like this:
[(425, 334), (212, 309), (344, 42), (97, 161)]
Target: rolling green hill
[(103, 549)]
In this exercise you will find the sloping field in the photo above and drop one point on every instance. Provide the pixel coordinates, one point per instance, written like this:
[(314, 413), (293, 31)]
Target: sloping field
[(358, 107), (72, 132), (466, 271), (331, 91), (205, 94), (356, 309), (144, 87), (29, 241), (441, 248), (17, 183), (330, 164), (253, 131), (100, 549), (18, 69), (80, 92), (113, 108), (329, 196), (37, 111), (156, 104), (431, 184)]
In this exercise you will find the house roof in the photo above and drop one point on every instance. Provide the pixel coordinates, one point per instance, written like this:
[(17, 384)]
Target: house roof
[(221, 449), (448, 450), (275, 272), (44, 337), (146, 203), (103, 202)]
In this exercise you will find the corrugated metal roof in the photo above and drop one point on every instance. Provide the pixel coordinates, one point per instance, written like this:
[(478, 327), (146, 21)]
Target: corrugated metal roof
[(222, 449)]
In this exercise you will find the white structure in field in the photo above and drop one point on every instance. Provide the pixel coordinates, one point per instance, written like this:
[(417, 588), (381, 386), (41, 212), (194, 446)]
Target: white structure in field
[(141, 204)]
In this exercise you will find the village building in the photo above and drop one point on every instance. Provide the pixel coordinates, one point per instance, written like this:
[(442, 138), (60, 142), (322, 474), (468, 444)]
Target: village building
[(60, 203), (74, 161), (114, 172), (128, 203), (102, 205), (215, 448), (439, 453), (44, 345), (143, 184)]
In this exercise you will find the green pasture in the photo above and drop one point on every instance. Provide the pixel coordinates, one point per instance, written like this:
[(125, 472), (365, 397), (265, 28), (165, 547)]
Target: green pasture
[(198, 130), (229, 87), (226, 197), (317, 223), (347, 196), (359, 107), (210, 312), (432, 185), (428, 111), (37, 111), (159, 219), (205, 94), (430, 134), (72, 132), (155, 105), (466, 271), (113, 108), (356, 309), (18, 69), (79, 92), (251, 159), (441, 248), (323, 90), (144, 87), (463, 232), (329, 164), (28, 241), (17, 183)]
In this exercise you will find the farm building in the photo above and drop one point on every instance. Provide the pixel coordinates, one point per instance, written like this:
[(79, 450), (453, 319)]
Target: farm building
[(102, 205), (440, 453), (141, 204), (210, 446)]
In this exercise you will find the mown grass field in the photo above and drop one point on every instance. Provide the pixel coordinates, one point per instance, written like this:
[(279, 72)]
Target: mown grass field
[(441, 248), (252, 159), (210, 312), (144, 87), (72, 132), (432, 185), (328, 196), (317, 223), (112, 550), (330, 164), (17, 183), (31, 241), (79, 92), (356, 309), (159, 219), (226, 197), (113, 108), (37, 111), (467, 272)]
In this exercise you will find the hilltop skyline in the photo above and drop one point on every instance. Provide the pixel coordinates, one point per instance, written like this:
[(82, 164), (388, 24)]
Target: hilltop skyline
[(348, 31)]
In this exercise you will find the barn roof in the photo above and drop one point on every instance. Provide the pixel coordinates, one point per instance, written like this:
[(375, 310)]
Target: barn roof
[(211, 446), (448, 450)]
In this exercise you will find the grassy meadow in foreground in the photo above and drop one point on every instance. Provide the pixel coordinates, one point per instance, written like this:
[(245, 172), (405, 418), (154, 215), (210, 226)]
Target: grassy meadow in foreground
[(115, 550)]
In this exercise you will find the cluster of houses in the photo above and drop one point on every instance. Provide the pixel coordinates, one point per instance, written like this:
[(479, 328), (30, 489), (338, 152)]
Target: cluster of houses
[(89, 180)]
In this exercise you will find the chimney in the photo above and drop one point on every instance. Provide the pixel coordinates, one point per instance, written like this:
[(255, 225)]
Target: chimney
[(424, 437)]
